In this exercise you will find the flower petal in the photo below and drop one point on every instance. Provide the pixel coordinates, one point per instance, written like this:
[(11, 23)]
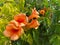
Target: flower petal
[(22, 24), (20, 32), (9, 27), (7, 33), (14, 22), (14, 37)]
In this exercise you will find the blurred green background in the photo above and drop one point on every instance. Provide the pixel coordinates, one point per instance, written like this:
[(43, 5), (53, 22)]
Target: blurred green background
[(49, 31)]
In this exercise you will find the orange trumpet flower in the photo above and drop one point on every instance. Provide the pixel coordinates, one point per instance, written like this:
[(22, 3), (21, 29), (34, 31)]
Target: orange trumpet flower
[(42, 12), (21, 18), (34, 14), (33, 24), (13, 31)]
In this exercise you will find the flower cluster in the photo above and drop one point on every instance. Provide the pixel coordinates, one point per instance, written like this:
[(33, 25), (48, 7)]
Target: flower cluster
[(15, 29)]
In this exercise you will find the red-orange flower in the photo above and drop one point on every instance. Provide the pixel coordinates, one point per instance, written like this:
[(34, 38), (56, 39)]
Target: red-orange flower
[(42, 12), (33, 24), (21, 18), (13, 31), (34, 14)]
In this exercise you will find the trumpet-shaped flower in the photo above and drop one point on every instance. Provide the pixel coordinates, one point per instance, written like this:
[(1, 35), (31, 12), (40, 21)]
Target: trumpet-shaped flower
[(34, 14), (21, 18), (42, 12), (33, 24), (13, 31)]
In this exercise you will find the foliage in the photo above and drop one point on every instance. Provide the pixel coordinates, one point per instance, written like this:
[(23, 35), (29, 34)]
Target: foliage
[(48, 32)]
